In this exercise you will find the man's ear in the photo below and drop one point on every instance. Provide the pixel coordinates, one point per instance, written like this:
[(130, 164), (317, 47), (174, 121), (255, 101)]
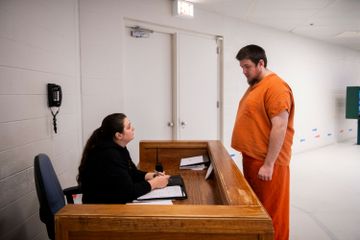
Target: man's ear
[(261, 63)]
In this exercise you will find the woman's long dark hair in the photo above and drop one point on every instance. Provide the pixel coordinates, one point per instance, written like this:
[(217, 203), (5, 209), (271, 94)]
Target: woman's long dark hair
[(111, 124)]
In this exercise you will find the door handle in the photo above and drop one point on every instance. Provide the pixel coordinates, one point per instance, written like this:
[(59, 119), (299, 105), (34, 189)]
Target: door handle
[(183, 123), (170, 124)]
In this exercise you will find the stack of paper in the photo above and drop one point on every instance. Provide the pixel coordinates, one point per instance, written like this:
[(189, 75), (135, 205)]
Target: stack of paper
[(152, 202), (194, 163), (169, 192)]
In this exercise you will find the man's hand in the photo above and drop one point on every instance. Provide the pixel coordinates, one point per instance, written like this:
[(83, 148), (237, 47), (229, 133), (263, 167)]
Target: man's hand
[(265, 172)]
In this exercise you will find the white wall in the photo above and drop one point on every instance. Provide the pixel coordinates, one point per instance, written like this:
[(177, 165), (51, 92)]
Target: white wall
[(38, 45), (101, 61)]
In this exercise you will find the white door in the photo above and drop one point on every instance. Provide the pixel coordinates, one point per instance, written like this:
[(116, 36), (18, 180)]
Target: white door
[(198, 87), (158, 88), (148, 88)]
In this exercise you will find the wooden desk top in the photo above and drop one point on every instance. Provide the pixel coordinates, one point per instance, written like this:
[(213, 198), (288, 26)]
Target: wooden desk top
[(225, 186)]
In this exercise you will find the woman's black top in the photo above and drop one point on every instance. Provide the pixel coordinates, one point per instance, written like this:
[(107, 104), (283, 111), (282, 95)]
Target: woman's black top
[(110, 176)]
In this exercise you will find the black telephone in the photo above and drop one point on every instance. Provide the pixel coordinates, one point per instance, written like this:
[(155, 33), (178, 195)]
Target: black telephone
[(54, 100), (54, 95)]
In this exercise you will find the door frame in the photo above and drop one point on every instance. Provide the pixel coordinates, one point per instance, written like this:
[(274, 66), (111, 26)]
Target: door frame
[(174, 31)]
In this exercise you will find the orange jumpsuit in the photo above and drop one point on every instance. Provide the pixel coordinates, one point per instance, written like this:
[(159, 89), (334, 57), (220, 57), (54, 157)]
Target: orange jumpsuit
[(251, 134)]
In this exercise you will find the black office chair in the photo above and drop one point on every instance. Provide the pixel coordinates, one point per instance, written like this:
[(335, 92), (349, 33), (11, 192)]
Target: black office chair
[(49, 192)]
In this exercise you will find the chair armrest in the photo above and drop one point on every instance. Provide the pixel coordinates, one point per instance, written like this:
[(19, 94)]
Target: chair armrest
[(68, 192)]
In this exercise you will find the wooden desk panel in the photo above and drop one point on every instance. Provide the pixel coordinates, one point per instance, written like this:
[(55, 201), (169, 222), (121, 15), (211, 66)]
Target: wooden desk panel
[(223, 207), (168, 154), (166, 222)]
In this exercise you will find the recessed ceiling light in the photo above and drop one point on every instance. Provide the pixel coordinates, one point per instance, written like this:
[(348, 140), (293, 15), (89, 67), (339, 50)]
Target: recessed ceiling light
[(349, 34)]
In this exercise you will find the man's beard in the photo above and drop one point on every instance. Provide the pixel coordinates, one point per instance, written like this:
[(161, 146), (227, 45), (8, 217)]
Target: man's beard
[(253, 81)]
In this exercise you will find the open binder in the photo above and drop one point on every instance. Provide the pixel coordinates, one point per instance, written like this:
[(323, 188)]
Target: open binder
[(195, 163), (174, 190)]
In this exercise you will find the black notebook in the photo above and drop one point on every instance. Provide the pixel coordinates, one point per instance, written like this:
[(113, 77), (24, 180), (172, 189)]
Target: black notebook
[(176, 180), (174, 190)]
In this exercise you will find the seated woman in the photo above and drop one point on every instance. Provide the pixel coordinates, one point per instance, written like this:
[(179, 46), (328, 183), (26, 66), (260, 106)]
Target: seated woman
[(106, 172)]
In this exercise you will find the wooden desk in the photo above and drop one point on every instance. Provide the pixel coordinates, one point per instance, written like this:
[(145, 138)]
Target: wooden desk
[(222, 207)]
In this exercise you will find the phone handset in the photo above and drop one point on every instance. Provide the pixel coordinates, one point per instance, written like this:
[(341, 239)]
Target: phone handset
[(54, 100)]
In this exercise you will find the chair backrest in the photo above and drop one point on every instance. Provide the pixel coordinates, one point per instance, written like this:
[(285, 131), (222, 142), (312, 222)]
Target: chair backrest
[(49, 192)]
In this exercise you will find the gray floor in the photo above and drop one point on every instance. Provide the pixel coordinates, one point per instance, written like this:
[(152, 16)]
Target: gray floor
[(325, 193)]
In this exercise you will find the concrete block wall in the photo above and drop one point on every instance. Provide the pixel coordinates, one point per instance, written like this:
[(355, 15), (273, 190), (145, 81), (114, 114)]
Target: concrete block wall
[(39, 44)]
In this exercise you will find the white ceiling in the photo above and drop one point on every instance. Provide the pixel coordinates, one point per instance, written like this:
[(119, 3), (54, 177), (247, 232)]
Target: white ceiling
[(334, 21)]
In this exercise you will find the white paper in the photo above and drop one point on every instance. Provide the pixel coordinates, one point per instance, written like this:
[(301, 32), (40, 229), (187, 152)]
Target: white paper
[(192, 160), (209, 171), (194, 167), (151, 202), (166, 192)]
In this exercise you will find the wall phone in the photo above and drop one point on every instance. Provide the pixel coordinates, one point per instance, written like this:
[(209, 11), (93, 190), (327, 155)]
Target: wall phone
[(54, 100), (54, 95)]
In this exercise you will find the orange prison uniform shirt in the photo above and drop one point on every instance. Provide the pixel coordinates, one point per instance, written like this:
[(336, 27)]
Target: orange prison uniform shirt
[(251, 133)]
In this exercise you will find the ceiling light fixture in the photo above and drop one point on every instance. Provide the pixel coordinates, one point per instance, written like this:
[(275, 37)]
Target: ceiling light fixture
[(183, 9), (348, 34)]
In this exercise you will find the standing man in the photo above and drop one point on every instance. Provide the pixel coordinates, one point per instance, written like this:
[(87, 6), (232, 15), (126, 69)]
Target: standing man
[(263, 133)]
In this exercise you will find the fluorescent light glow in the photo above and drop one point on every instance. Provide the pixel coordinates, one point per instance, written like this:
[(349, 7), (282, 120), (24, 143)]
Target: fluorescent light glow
[(183, 9), (349, 34)]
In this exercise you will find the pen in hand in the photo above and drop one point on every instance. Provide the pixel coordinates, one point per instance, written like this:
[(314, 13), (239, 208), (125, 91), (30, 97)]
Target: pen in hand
[(159, 170), (159, 181)]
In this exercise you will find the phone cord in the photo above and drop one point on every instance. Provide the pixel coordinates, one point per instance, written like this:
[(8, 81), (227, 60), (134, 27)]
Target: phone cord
[(54, 118)]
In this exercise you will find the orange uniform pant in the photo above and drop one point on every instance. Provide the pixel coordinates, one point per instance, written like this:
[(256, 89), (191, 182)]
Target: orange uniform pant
[(274, 194)]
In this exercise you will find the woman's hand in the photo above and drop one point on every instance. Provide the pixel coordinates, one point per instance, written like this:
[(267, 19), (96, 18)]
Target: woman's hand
[(159, 181), (151, 175)]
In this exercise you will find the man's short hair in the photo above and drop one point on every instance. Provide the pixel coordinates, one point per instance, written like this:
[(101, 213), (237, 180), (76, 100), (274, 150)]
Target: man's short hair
[(253, 52)]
